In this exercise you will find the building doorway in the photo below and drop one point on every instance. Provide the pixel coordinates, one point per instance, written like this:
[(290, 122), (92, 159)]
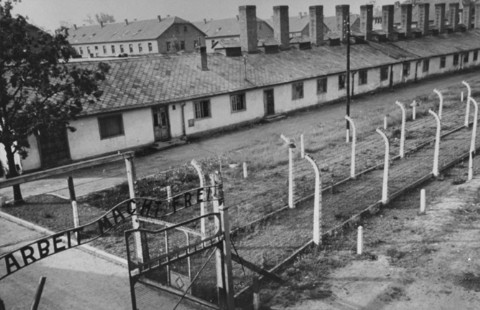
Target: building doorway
[(160, 123), (269, 102), (54, 149)]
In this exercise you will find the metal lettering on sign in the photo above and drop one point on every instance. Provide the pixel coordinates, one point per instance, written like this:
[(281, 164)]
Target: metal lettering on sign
[(56, 243)]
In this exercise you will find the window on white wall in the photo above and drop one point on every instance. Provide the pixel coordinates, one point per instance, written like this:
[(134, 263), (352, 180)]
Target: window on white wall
[(140, 48), (297, 90), (150, 47), (130, 48), (426, 65), (322, 85), (362, 77), (113, 49), (465, 57), (455, 59), (443, 61), (406, 69), (111, 126), (237, 102), (384, 73), (341, 81), (202, 109), (475, 56), (104, 49)]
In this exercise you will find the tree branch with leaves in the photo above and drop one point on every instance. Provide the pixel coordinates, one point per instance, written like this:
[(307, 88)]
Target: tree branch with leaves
[(39, 89)]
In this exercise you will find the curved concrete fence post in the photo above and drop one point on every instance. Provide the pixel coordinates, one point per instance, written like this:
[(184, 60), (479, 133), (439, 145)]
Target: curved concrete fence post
[(385, 168), (472, 142), (201, 177), (317, 203), (354, 143), (440, 106), (402, 131), (437, 144), (469, 94)]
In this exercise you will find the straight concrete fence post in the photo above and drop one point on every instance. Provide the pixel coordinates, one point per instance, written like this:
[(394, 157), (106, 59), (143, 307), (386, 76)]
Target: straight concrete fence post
[(317, 203), (469, 95), (385, 168), (245, 171), (414, 109), (227, 254), (291, 146), (218, 227), (402, 131), (423, 201), (131, 179), (354, 145), (201, 177), (360, 240), (169, 193), (437, 144), (73, 200), (385, 122), (461, 96), (440, 106)]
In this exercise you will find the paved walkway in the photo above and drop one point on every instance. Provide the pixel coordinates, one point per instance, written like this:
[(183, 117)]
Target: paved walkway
[(76, 280)]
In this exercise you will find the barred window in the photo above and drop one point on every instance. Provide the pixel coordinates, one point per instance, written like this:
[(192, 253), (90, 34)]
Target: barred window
[(202, 109), (237, 102), (406, 69), (150, 47), (140, 48)]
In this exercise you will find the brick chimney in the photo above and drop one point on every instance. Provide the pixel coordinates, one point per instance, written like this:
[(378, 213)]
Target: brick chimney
[(477, 15), (343, 17), (126, 21), (366, 20), (281, 29), (159, 18), (203, 58), (248, 28), (440, 17), (316, 24), (406, 12), (101, 24), (453, 16), (467, 14), (424, 17), (387, 19)]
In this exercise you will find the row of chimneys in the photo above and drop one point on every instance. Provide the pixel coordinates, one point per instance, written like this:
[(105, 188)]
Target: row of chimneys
[(248, 22), (126, 22)]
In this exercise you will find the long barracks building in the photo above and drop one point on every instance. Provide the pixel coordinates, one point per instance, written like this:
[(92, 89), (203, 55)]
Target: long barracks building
[(160, 98)]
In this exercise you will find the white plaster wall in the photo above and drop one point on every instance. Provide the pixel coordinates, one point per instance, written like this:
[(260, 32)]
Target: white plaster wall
[(33, 159), (85, 141), (221, 113)]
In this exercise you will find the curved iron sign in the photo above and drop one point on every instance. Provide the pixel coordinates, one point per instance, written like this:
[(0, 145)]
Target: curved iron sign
[(67, 239)]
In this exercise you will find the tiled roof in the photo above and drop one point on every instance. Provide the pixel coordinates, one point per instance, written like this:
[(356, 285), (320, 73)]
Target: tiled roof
[(215, 28), (160, 79), (121, 32)]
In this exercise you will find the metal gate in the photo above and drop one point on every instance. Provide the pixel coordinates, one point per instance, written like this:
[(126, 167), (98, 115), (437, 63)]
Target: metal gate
[(180, 259)]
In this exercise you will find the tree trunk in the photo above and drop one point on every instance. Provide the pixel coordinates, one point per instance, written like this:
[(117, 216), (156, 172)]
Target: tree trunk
[(12, 172)]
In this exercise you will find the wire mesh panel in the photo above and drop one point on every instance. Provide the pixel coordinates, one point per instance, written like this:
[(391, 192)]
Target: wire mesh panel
[(176, 258)]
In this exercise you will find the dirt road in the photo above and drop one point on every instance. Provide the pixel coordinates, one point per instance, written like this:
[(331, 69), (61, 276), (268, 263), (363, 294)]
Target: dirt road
[(106, 176), (430, 261)]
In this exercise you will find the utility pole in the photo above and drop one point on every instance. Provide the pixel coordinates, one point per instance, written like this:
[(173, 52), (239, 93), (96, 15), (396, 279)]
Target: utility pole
[(347, 35)]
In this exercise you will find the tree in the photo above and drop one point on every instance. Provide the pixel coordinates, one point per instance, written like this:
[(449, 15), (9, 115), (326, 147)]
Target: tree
[(104, 18), (39, 89)]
